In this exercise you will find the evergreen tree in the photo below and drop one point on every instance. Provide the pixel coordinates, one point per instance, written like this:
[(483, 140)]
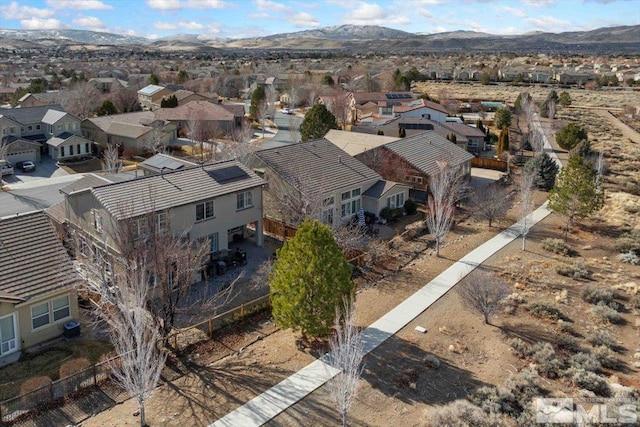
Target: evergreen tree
[(107, 108), (564, 98), (258, 97), (453, 138), (170, 102), (544, 169), (570, 136), (310, 277), (317, 122), (577, 194), (485, 78), (502, 118), (153, 79), (402, 132), (503, 141), (182, 76)]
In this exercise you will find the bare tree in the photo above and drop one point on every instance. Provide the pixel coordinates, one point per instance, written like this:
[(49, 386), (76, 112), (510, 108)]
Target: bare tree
[(119, 287), (445, 188), (84, 102), (482, 292), (271, 99), (242, 145), (111, 162), (490, 202), (263, 113), (347, 352), (552, 109), (155, 140), (125, 100), (526, 204), (203, 134)]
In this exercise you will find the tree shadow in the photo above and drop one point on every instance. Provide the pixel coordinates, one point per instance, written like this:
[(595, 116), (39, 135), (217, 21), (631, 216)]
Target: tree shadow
[(399, 369), (527, 332)]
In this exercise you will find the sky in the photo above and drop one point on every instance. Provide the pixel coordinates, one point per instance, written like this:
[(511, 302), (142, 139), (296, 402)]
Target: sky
[(253, 18)]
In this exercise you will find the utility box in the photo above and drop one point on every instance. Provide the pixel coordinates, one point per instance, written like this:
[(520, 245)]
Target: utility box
[(71, 329)]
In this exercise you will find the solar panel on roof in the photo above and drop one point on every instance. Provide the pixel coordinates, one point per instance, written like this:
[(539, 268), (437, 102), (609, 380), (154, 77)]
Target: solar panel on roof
[(228, 174)]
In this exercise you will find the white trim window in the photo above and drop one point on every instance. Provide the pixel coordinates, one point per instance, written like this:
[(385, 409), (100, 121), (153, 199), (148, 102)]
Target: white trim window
[(205, 210), (214, 242), (244, 200), (51, 311), (395, 201), (351, 202), (327, 210), (97, 220), (162, 222), (8, 334)]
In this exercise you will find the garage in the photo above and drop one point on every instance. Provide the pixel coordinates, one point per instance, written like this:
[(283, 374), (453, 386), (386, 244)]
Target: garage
[(22, 150)]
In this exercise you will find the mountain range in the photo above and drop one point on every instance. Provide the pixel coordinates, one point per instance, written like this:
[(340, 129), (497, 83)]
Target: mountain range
[(357, 38)]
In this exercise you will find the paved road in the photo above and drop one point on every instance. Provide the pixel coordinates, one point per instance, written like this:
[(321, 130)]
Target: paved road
[(287, 132)]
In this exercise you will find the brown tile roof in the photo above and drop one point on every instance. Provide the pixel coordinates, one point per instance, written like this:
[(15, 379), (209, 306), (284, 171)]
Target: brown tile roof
[(33, 261), (127, 199), (198, 110)]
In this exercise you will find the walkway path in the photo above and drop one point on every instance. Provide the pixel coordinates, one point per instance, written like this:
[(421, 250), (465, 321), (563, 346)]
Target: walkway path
[(278, 398)]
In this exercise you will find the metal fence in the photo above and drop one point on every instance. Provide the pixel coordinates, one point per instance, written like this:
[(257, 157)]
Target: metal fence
[(19, 407)]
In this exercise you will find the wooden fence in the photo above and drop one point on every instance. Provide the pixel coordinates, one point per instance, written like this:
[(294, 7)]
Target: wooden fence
[(489, 163), (278, 229)]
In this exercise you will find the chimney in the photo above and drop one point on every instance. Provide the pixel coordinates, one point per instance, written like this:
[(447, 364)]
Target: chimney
[(340, 159)]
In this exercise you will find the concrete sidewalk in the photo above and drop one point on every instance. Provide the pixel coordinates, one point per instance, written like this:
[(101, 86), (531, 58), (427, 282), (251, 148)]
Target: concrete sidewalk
[(278, 398)]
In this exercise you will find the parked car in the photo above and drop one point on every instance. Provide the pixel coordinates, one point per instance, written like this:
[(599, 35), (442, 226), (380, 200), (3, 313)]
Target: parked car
[(7, 167), (28, 166), (286, 111)]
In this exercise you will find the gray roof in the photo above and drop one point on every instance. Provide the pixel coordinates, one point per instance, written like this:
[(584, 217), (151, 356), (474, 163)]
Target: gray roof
[(86, 182), (320, 163), (380, 188), (53, 116), (425, 149), (131, 198), (30, 114), (127, 130), (163, 161), (136, 118), (150, 89), (32, 259), (60, 139)]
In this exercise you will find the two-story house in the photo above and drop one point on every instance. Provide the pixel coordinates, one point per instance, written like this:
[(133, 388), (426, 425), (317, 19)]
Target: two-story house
[(37, 284), (218, 201), (318, 179)]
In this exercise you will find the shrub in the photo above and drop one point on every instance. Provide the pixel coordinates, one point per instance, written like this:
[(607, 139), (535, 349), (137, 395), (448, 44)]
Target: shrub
[(634, 302), (595, 295), (521, 348), (606, 357), (72, 366), (577, 270), (545, 310), (463, 413), (544, 170), (629, 258), (557, 246), (524, 386), (585, 361), (547, 360), (410, 207), (566, 327), (495, 400), (386, 214), (601, 337), (570, 135), (629, 242), (569, 344), (606, 314), (590, 381)]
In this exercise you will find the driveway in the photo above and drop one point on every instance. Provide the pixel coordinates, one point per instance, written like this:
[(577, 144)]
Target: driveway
[(46, 168)]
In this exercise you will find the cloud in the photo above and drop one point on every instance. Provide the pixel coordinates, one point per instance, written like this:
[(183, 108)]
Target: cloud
[(205, 4), (374, 14), (15, 11), (549, 23), (511, 11), (164, 26), (170, 26), (268, 5), (40, 24), (164, 4), (190, 25), (79, 4), (303, 20), (541, 3), (90, 22)]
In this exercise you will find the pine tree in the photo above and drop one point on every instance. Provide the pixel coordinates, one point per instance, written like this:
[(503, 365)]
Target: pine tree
[(544, 169), (570, 136), (317, 123), (577, 194), (310, 277), (402, 133), (258, 96), (503, 141), (502, 118)]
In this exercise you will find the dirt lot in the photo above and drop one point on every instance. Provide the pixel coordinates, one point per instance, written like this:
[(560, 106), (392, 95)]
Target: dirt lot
[(397, 385)]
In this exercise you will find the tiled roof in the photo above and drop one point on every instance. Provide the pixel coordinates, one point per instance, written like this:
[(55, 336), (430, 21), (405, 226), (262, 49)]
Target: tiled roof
[(464, 129), (60, 139), (127, 130), (195, 110), (425, 149), (135, 118), (53, 116), (32, 259), (87, 181), (354, 143), (30, 114), (319, 163), (380, 188), (131, 198)]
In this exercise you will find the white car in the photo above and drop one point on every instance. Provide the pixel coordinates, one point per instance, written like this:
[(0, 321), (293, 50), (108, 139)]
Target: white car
[(7, 167), (286, 111)]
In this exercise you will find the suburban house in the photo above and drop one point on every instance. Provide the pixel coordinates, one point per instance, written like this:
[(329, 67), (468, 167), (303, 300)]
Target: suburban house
[(185, 96), (422, 108), (363, 103), (151, 95), (128, 131), (412, 160), (68, 146), (160, 163), (108, 84), (37, 284), (48, 98), (221, 201), (318, 179), (204, 115), (26, 130)]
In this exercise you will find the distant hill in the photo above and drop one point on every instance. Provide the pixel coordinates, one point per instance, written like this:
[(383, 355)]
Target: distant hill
[(361, 38)]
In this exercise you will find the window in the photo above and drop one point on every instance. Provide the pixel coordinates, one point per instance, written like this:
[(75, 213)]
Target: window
[(8, 341), (204, 210), (414, 179), (395, 201), (327, 210), (61, 308), (12, 130), (162, 222), (214, 242), (97, 220), (142, 227), (37, 127), (62, 151), (30, 128), (86, 147), (78, 148), (244, 200), (39, 315), (71, 150), (350, 202)]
